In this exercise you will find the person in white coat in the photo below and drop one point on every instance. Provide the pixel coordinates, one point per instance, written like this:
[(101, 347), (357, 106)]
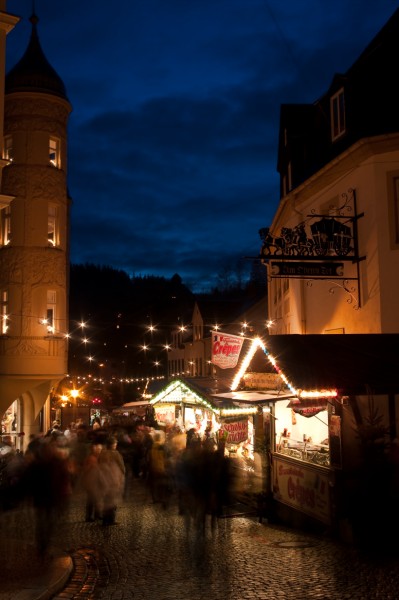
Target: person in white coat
[(112, 467)]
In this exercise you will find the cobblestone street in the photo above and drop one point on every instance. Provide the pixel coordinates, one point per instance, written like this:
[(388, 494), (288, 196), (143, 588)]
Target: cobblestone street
[(151, 554)]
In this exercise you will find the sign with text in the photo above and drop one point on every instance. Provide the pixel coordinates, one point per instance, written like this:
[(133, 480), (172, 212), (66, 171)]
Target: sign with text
[(225, 349), (303, 488), (235, 431), (306, 269)]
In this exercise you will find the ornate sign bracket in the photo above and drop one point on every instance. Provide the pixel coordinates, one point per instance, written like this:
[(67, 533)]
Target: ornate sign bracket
[(317, 247)]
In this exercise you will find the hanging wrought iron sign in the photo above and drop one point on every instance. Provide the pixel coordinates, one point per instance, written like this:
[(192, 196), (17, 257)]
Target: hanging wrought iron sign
[(327, 237), (320, 237), (319, 247), (332, 237)]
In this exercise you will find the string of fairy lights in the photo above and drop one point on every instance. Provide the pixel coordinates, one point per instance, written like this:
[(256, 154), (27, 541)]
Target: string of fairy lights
[(256, 343)]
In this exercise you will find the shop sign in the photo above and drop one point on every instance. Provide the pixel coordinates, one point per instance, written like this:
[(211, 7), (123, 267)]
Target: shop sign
[(225, 349), (305, 489), (262, 381), (235, 431), (165, 414), (307, 270), (308, 407)]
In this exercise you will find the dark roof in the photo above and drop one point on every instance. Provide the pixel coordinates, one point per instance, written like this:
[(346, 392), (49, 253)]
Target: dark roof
[(33, 73), (351, 363), (371, 100)]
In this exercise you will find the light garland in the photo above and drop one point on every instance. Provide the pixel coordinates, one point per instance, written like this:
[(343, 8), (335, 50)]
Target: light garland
[(174, 393), (258, 343), (255, 344), (225, 412), (318, 394)]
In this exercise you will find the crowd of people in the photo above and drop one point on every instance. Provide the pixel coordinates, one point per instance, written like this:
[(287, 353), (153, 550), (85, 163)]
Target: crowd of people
[(101, 461)]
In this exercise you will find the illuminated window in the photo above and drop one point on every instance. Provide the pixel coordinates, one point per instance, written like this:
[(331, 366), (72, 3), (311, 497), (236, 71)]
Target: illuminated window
[(50, 312), (8, 149), (337, 109), (3, 312), (52, 225), (54, 151), (5, 226)]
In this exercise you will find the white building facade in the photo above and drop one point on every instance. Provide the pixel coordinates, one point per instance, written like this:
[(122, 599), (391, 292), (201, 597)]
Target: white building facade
[(361, 189), (336, 230)]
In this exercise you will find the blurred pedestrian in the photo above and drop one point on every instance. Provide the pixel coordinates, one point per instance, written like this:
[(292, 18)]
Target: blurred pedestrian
[(157, 472), (93, 484), (112, 467), (48, 485), (12, 467), (79, 449)]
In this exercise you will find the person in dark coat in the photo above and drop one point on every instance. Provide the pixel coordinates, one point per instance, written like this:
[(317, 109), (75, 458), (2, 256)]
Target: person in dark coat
[(48, 485)]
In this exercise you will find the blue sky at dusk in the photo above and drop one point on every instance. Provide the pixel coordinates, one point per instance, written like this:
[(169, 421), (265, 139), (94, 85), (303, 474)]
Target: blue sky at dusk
[(174, 130)]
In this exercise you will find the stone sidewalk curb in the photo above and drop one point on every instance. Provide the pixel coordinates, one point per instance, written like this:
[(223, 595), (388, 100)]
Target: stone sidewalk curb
[(46, 585)]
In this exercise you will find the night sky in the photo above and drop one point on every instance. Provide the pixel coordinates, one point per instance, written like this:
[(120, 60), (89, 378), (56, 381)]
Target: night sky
[(174, 130)]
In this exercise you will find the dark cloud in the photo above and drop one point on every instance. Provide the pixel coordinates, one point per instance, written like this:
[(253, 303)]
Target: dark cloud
[(174, 130)]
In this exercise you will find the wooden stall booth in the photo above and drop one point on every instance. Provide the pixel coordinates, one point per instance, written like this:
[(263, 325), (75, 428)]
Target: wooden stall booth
[(334, 444)]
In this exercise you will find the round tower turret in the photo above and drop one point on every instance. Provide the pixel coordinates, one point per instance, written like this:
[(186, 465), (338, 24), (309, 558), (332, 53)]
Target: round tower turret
[(34, 238)]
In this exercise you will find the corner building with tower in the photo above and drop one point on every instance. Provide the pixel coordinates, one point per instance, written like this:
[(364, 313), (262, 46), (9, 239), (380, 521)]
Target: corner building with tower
[(34, 237)]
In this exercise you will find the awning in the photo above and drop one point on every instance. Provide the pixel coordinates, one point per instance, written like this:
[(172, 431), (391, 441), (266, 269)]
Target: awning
[(138, 408), (255, 397), (308, 407)]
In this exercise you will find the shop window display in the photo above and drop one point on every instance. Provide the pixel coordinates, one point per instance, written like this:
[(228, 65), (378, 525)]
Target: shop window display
[(9, 422), (302, 431)]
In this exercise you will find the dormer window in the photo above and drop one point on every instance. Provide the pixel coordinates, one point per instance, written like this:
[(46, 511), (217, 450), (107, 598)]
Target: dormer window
[(54, 152), (337, 110)]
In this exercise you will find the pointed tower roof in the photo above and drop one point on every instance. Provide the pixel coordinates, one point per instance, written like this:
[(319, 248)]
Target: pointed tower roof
[(33, 73)]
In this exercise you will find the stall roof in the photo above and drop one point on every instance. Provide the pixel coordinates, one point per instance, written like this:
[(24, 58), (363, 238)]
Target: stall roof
[(138, 407), (350, 363), (254, 397), (134, 404), (206, 391), (219, 391)]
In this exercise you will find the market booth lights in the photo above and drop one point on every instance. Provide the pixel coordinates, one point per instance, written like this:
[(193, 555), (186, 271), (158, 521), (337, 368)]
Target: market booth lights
[(298, 404), (299, 423)]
